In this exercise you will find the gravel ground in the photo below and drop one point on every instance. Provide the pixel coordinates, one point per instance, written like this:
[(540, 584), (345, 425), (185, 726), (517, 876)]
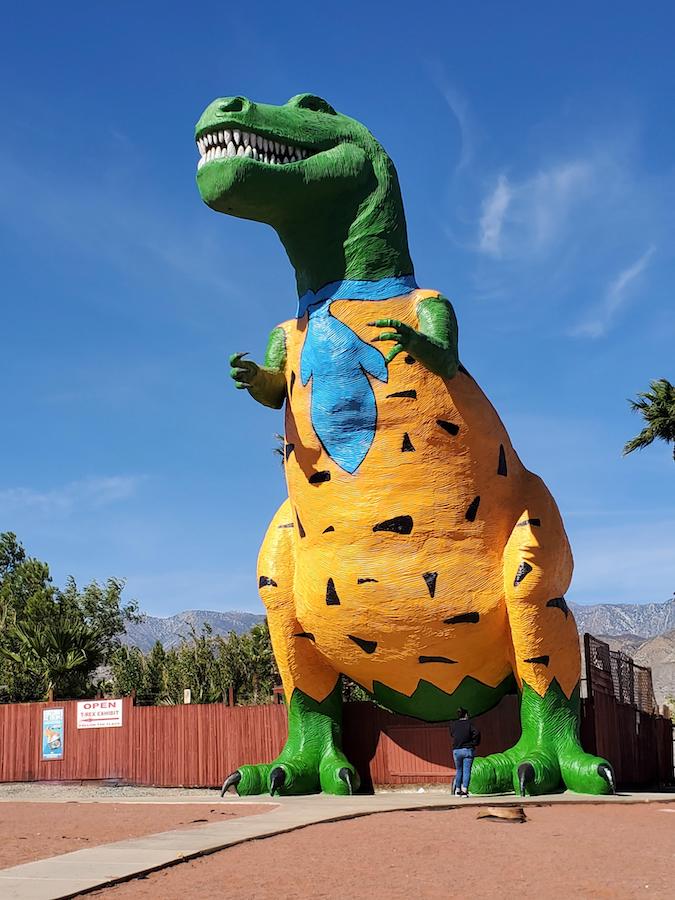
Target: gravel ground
[(561, 852), (46, 791), (33, 830)]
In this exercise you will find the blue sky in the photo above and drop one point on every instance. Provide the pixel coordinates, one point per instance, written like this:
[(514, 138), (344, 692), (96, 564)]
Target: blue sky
[(534, 144)]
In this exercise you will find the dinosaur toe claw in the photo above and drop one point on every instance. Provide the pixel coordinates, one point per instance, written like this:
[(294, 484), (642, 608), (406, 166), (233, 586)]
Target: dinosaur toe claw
[(605, 771), (277, 779), (231, 780), (348, 777), (526, 775)]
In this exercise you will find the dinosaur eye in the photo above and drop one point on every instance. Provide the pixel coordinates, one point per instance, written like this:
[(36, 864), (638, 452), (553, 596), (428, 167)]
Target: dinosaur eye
[(311, 101)]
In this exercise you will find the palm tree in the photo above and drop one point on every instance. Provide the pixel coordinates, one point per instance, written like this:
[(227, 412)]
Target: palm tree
[(657, 408), (60, 652)]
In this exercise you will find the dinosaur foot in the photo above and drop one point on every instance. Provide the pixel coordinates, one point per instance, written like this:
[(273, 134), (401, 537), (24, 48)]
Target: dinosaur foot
[(536, 771), (333, 774)]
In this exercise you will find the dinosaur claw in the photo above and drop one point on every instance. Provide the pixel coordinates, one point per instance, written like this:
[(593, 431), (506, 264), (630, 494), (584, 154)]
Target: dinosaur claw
[(231, 780), (526, 775), (347, 776), (605, 771), (277, 779)]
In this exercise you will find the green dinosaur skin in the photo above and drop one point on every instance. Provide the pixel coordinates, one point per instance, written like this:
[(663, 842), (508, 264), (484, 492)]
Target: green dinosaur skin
[(362, 237), (550, 743), (312, 758), (431, 704)]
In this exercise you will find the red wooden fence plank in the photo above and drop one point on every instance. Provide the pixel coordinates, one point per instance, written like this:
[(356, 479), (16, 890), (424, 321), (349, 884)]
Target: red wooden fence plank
[(198, 746)]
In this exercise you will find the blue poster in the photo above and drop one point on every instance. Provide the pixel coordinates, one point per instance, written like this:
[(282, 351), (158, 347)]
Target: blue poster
[(52, 733)]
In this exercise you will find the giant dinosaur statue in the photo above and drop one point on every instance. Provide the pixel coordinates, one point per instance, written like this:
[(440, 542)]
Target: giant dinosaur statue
[(415, 553)]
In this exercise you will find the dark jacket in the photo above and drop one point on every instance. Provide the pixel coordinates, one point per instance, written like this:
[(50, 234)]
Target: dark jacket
[(464, 735)]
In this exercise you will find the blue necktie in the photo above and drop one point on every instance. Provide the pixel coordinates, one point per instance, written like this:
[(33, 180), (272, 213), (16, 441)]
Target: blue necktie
[(343, 408)]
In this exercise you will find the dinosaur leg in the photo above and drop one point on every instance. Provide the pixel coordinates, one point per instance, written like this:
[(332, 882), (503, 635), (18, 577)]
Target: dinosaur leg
[(312, 758), (546, 660)]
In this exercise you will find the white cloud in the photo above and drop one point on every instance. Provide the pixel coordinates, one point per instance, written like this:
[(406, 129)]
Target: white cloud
[(86, 493), (494, 210), (616, 297), (458, 106), (520, 218)]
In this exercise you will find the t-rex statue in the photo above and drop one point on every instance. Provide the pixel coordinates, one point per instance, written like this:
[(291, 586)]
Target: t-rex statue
[(415, 554)]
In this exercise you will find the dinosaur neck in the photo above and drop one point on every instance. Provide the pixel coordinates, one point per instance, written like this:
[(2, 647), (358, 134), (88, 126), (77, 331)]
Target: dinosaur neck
[(363, 238)]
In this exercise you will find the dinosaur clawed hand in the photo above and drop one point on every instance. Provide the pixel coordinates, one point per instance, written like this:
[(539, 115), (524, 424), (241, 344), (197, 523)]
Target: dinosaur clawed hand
[(243, 371)]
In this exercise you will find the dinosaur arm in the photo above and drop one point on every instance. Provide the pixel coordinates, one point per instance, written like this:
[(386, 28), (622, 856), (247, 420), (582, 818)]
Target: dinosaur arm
[(438, 323), (434, 345), (267, 383)]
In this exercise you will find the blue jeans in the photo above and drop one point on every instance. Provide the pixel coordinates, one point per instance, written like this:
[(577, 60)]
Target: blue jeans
[(463, 761)]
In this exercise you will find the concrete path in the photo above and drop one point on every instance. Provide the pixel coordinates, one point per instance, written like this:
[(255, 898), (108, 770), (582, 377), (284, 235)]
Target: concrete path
[(85, 870)]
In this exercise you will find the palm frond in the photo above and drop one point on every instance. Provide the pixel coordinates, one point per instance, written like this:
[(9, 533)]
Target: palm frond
[(657, 408)]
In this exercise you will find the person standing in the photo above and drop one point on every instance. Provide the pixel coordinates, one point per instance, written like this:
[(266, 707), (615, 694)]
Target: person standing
[(465, 739)]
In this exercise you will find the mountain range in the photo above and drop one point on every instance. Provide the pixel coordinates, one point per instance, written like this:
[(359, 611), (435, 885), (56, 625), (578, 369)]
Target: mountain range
[(644, 631), (171, 631), (646, 620)]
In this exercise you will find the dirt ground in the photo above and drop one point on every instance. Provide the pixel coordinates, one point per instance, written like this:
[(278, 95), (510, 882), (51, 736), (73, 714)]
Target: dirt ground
[(30, 831), (611, 851)]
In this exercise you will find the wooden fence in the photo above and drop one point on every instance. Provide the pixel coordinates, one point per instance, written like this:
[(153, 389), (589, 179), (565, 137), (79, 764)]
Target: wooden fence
[(198, 746), (620, 719)]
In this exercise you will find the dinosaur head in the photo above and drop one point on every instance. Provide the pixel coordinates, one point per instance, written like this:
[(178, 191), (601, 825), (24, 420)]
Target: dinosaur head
[(318, 177)]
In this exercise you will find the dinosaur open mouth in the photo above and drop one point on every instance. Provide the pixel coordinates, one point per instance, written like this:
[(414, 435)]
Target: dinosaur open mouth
[(235, 142)]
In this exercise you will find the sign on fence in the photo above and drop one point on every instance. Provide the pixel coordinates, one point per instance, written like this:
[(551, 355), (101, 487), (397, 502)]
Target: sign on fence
[(99, 713), (52, 733)]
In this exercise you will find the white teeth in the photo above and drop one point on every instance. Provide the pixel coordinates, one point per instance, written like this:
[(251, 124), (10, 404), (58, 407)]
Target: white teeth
[(221, 144)]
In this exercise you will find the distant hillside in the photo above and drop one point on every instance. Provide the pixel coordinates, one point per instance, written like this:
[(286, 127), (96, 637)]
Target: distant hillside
[(659, 654), (172, 630), (644, 619), (646, 632)]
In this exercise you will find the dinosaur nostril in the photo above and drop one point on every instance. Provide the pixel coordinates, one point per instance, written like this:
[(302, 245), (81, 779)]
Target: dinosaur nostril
[(233, 104)]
